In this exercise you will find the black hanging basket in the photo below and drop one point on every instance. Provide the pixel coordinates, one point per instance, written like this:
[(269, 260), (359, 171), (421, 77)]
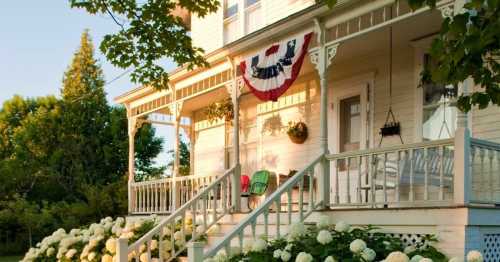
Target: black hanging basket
[(391, 127)]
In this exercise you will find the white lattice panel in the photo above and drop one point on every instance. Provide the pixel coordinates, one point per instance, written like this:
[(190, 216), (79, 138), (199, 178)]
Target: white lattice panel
[(410, 239), (491, 247)]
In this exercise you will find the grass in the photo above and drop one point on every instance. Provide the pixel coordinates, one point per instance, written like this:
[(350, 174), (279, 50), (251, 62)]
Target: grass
[(10, 258)]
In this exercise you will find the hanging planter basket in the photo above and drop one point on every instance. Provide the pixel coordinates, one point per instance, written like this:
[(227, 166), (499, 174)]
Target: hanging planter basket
[(297, 132)]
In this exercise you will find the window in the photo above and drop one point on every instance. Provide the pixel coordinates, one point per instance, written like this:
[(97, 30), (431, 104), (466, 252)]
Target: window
[(439, 112), (230, 8), (350, 123), (253, 15), (230, 20)]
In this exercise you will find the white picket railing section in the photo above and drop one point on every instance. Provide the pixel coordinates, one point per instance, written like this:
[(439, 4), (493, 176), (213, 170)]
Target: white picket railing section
[(278, 203), (209, 205), (394, 176), (485, 180), (156, 196)]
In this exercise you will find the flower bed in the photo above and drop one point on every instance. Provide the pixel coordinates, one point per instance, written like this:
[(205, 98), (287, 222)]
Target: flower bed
[(341, 242), (98, 241)]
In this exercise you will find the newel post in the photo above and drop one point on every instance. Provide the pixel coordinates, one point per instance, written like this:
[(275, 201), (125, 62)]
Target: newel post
[(321, 57), (462, 158), (175, 110), (195, 251), (122, 250)]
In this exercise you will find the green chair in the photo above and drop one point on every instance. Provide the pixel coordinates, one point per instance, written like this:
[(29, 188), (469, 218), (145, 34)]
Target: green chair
[(259, 182)]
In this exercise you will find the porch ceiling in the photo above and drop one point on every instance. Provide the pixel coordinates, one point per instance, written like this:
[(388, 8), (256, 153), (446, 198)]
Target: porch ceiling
[(404, 32)]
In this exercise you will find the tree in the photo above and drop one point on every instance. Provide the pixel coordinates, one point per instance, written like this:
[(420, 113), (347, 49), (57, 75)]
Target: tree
[(148, 33), (467, 46), (184, 158)]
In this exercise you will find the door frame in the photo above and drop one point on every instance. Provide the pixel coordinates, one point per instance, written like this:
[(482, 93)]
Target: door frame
[(362, 86)]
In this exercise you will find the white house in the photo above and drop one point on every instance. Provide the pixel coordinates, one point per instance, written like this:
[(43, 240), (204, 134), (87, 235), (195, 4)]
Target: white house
[(440, 176)]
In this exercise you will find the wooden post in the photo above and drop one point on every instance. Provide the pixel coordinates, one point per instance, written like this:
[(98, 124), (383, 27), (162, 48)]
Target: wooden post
[(462, 158), (195, 252), (321, 57), (132, 129), (176, 111), (121, 250), (235, 178)]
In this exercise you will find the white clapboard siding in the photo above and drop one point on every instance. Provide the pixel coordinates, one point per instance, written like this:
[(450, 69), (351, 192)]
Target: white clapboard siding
[(207, 32)]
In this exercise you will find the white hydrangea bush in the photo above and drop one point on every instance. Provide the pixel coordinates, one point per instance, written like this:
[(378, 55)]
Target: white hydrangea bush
[(98, 242), (328, 242)]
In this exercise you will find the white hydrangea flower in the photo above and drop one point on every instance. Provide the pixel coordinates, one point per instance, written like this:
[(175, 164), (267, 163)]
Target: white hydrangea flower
[(304, 257), (209, 260), (324, 221), (91, 256), (357, 246), (137, 224), (119, 221), (221, 256), (259, 245), (285, 256), (154, 259), (111, 245), (474, 256), (247, 245), (297, 230), (99, 230), (397, 256), (324, 237), (409, 249), (330, 259), (342, 226), (142, 258), (277, 253), (368, 254), (289, 247), (200, 230), (154, 244), (70, 253), (50, 251), (167, 245), (142, 248), (178, 236), (416, 258), (425, 260), (108, 258)]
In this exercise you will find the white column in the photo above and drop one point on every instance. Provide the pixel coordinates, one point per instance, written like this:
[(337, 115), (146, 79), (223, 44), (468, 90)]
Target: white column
[(236, 179), (463, 181), (321, 57), (132, 129), (192, 143), (175, 110)]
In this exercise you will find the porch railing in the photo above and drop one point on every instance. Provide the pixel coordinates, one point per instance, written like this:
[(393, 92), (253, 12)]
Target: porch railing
[(157, 196), (279, 204), (485, 170), (394, 176), (206, 208)]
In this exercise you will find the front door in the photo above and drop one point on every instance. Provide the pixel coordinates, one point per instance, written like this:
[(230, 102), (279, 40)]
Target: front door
[(350, 124)]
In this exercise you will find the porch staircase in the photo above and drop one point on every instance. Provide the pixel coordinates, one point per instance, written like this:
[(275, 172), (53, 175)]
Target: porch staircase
[(225, 229)]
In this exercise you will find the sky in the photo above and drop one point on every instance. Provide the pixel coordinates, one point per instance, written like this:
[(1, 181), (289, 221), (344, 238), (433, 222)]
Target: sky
[(37, 42)]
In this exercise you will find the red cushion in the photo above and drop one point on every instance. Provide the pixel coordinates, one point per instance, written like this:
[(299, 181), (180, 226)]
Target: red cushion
[(245, 183)]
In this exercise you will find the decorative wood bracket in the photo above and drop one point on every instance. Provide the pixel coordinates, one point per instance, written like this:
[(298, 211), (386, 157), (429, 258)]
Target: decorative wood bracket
[(322, 55), (239, 83), (176, 109)]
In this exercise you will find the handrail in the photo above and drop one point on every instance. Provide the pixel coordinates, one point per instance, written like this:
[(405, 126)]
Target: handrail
[(275, 197), (485, 143), (169, 179), (350, 154), (191, 205)]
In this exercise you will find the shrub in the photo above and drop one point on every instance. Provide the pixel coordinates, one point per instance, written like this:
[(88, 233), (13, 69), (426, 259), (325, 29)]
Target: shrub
[(330, 243), (98, 241)]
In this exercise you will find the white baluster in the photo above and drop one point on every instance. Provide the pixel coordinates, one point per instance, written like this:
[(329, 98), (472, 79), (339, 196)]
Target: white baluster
[(426, 173), (384, 186), (278, 210), (348, 182), (441, 172), (337, 172), (301, 198), (359, 196), (398, 175), (412, 172)]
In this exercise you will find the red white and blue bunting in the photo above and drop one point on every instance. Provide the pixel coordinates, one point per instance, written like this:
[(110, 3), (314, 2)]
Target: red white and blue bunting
[(272, 71)]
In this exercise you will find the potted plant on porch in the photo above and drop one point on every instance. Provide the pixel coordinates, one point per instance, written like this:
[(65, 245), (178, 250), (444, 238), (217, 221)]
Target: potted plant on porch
[(220, 110), (297, 132)]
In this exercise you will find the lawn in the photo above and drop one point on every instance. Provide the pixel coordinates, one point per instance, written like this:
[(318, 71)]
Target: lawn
[(10, 258)]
